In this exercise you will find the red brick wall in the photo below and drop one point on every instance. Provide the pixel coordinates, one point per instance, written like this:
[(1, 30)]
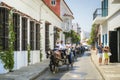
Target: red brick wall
[(55, 8)]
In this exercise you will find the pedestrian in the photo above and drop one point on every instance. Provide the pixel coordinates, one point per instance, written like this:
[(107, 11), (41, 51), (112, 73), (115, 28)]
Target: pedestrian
[(100, 53), (106, 56), (69, 54)]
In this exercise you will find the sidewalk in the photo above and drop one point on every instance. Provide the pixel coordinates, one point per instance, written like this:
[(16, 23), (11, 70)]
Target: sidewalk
[(26, 73), (110, 71)]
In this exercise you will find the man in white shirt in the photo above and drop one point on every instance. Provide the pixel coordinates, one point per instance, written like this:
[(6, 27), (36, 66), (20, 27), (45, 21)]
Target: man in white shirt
[(62, 49), (62, 46)]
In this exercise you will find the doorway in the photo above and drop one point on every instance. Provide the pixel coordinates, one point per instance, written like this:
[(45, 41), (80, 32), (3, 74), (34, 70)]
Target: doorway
[(118, 33), (113, 46)]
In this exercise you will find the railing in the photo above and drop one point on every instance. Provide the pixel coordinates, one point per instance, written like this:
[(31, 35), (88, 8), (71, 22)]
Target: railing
[(101, 12)]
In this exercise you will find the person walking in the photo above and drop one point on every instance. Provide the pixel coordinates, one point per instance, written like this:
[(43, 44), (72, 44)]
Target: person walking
[(106, 56), (100, 53)]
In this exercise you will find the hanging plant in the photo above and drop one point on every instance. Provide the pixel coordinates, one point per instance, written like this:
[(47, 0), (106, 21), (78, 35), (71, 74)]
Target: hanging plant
[(7, 56), (57, 35), (28, 50), (73, 35), (11, 42), (41, 55)]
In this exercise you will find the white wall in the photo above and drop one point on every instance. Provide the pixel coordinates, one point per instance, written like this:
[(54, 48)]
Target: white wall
[(104, 28), (34, 57), (31, 7), (112, 7), (2, 70), (64, 9), (20, 59), (114, 21)]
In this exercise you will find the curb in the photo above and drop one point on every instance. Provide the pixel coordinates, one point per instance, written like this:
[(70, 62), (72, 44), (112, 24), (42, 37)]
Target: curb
[(40, 73), (97, 68)]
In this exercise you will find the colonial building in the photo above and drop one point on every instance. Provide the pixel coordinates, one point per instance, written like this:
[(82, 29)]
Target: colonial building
[(67, 17), (61, 9), (30, 20), (107, 19)]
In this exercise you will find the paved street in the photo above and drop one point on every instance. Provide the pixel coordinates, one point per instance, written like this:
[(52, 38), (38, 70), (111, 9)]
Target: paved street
[(83, 69)]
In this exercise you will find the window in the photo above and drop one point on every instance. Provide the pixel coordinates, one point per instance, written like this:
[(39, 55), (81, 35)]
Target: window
[(105, 39), (24, 33), (16, 24), (4, 14), (32, 35), (104, 8), (37, 36), (53, 2), (46, 36)]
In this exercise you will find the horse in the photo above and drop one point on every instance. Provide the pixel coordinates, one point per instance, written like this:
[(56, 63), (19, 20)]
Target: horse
[(57, 59)]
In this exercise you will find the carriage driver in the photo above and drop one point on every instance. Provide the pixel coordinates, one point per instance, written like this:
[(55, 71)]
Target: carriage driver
[(62, 48)]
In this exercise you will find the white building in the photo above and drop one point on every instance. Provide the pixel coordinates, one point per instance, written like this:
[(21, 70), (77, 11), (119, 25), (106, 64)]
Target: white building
[(67, 17), (107, 19), (32, 19)]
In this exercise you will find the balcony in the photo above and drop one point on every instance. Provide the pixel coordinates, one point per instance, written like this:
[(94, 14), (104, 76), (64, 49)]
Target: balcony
[(99, 15), (116, 1)]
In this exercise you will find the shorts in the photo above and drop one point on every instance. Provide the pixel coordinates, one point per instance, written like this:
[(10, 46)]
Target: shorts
[(100, 55)]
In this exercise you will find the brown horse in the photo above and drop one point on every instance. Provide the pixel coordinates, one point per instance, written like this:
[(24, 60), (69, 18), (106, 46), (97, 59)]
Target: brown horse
[(55, 60)]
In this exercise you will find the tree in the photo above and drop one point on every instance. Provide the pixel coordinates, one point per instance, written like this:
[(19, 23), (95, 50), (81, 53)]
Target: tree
[(93, 35)]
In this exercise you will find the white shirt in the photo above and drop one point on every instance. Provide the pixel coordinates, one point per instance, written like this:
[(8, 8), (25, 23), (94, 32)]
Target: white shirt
[(62, 46)]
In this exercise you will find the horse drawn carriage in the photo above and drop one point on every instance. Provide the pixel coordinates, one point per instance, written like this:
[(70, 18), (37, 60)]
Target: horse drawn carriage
[(59, 58)]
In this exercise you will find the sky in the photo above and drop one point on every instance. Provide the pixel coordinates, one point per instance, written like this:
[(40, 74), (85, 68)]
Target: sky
[(83, 12)]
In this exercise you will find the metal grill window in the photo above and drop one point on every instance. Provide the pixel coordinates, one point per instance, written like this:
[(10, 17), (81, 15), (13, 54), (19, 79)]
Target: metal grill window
[(37, 36), (24, 33), (46, 36), (32, 35), (16, 24), (4, 14)]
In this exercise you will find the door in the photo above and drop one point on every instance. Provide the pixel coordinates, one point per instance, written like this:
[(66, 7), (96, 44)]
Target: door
[(118, 44), (113, 46)]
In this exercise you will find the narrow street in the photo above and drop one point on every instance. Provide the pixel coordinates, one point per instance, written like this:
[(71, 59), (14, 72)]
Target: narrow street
[(83, 69)]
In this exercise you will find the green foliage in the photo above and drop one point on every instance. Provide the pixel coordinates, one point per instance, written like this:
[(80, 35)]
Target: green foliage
[(28, 50), (73, 35), (57, 34), (67, 34), (93, 35), (7, 56), (41, 55)]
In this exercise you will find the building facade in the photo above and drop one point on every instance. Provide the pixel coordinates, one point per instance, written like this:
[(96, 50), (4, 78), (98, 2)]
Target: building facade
[(33, 23), (61, 9), (107, 19), (67, 17)]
